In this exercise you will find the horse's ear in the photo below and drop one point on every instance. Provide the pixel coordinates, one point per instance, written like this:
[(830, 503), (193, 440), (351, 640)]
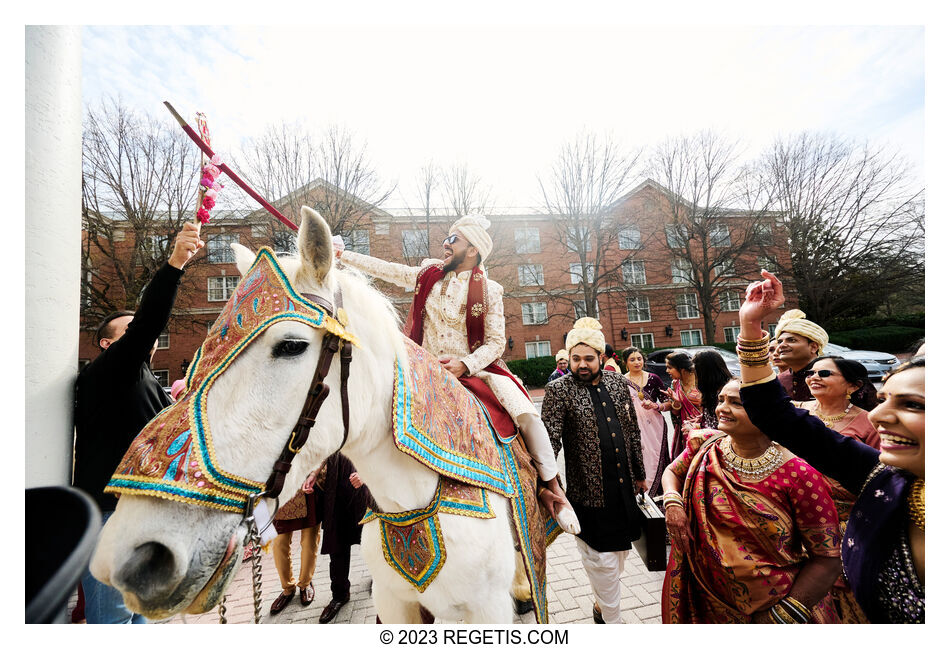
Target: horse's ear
[(243, 257), (314, 243)]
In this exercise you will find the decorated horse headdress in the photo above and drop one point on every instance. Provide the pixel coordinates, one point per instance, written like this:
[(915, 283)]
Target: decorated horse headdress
[(173, 457)]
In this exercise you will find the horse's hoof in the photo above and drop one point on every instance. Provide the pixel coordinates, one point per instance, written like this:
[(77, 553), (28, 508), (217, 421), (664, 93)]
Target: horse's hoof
[(567, 519)]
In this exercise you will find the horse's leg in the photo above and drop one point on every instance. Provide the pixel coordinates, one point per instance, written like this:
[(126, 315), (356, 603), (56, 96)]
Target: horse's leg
[(396, 611), (496, 609), (520, 588)]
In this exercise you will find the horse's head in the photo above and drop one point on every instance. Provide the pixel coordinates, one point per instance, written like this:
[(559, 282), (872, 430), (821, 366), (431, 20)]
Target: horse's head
[(203, 456)]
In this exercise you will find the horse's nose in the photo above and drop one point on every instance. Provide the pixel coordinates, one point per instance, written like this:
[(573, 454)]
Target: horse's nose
[(151, 572)]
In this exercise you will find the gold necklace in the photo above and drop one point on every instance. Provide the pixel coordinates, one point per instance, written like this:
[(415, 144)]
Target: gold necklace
[(916, 502), (445, 312), (639, 388), (755, 467), (831, 419)]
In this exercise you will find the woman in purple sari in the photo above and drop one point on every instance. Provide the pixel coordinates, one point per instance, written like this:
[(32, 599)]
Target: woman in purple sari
[(646, 391)]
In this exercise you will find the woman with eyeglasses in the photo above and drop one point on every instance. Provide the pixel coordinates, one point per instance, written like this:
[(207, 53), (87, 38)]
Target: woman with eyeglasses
[(882, 552), (840, 387)]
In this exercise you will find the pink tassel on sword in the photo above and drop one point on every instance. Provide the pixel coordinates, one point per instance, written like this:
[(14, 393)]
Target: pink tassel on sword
[(216, 167)]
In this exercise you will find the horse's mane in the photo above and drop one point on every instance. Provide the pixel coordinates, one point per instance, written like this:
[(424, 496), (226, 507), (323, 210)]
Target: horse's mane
[(371, 314)]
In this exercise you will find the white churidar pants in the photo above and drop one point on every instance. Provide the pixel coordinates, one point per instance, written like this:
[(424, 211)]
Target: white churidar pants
[(538, 443), (604, 570)]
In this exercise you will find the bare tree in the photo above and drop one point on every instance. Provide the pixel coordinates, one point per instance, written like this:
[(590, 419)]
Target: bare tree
[(581, 192), (854, 220), (463, 191), (139, 186), (333, 175), (717, 214)]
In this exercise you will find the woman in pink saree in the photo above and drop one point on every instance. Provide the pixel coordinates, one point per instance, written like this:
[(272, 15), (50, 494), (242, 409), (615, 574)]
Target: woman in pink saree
[(754, 529), (646, 391), (685, 401)]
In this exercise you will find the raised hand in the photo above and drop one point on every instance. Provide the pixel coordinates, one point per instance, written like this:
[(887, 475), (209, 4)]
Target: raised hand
[(761, 299), (187, 243)]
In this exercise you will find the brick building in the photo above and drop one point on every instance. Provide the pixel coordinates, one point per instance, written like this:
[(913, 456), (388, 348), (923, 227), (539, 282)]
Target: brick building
[(645, 291)]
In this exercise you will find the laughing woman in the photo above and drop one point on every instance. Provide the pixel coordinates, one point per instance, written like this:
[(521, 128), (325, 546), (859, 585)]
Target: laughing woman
[(883, 548), (754, 530)]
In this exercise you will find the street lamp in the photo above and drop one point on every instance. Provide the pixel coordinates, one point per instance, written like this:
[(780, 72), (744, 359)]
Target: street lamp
[(511, 342), (669, 330), (623, 333)]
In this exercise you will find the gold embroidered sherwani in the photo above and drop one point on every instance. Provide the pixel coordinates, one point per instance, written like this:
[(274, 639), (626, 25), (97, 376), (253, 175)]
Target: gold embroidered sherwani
[(444, 332)]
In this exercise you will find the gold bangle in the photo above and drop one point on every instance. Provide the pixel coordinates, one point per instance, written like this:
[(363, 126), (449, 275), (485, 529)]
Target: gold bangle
[(783, 614), (798, 606), (676, 503)]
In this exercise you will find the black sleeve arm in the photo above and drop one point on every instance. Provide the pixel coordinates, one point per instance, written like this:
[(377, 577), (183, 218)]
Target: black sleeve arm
[(149, 321), (845, 459)]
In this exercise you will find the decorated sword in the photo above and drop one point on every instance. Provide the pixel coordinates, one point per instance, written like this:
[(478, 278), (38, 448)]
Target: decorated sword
[(217, 164)]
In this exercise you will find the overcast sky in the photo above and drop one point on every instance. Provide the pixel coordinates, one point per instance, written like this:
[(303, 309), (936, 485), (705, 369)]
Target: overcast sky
[(504, 100)]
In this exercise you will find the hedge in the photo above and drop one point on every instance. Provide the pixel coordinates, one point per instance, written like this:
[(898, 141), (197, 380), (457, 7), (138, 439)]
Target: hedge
[(893, 339), (915, 320), (533, 372)]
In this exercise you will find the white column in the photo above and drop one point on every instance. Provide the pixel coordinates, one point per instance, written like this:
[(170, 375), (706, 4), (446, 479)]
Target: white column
[(53, 197)]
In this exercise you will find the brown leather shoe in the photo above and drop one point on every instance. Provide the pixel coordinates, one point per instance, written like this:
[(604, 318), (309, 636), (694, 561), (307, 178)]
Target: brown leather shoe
[(332, 609), (306, 595), (280, 603), (598, 616)]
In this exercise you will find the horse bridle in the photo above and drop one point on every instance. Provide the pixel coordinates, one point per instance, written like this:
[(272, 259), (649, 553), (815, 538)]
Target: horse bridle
[(316, 395)]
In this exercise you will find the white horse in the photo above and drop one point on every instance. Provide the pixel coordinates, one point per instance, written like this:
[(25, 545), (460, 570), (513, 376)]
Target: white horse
[(167, 557)]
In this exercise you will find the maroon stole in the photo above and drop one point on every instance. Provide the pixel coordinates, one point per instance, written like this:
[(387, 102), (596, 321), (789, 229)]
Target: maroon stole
[(475, 309)]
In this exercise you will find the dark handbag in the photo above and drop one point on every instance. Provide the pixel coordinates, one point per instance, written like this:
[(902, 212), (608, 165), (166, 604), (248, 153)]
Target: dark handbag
[(651, 546)]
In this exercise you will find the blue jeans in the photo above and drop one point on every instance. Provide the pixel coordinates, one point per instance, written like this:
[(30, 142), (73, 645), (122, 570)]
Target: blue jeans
[(104, 603)]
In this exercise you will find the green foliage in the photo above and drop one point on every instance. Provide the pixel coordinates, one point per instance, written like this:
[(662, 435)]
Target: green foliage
[(533, 372), (892, 338), (915, 320)]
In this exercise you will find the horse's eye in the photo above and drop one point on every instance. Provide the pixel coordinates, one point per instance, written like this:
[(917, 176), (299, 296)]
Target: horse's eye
[(287, 348)]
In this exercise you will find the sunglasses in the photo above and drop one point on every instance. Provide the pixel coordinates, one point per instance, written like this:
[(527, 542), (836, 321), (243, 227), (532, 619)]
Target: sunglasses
[(821, 373), (449, 240)]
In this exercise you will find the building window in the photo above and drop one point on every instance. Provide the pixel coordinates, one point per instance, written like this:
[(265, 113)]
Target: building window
[(682, 271), (691, 337), (358, 241), (220, 288), (533, 313), (761, 234), (219, 248), (259, 231), (643, 341), (537, 349), (530, 275), (767, 264), (725, 269), (719, 236), (527, 240), (162, 376), (163, 340), (159, 246), (686, 306), (629, 239), (633, 272), (676, 236), (577, 236), (730, 301), (732, 334), (638, 309), (415, 243), (576, 273), (211, 325), (580, 309)]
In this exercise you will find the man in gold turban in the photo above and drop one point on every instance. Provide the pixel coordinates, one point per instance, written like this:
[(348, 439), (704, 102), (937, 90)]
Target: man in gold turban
[(798, 342), (592, 413), (561, 368)]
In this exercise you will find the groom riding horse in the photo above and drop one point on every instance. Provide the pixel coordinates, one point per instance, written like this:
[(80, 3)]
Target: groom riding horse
[(457, 315)]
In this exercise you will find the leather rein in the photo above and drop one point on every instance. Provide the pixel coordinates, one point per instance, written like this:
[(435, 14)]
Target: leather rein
[(316, 395)]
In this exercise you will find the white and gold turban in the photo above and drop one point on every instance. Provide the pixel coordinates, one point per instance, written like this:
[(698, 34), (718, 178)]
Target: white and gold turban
[(474, 228), (794, 322), (586, 331), (562, 355)]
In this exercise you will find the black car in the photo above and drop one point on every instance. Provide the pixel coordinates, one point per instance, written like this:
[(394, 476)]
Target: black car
[(656, 360)]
